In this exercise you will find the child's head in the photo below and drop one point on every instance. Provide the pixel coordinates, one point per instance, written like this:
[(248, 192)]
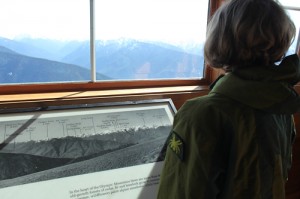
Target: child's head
[(248, 32)]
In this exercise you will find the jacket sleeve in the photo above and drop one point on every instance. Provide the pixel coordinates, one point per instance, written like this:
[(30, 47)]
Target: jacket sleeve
[(198, 171)]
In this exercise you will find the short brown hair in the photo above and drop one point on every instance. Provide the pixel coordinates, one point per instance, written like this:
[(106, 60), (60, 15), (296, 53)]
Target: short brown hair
[(248, 32)]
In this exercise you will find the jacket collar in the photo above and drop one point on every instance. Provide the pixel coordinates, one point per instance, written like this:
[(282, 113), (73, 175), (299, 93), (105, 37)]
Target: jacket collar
[(265, 88)]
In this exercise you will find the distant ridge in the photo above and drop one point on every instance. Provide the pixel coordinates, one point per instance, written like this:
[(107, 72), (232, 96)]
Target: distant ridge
[(132, 59), (68, 147), (17, 68), (122, 59)]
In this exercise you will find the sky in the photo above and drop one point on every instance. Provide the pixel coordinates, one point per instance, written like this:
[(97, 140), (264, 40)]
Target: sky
[(178, 22), (169, 20), (55, 19)]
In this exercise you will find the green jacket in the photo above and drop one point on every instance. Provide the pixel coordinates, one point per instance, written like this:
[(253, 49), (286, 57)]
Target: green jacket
[(235, 142)]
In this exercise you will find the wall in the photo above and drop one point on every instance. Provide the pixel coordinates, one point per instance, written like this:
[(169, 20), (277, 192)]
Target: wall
[(293, 185)]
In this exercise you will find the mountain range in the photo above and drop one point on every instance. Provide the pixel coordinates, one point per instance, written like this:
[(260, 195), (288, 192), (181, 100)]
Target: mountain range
[(24, 158), (41, 60), (18, 68)]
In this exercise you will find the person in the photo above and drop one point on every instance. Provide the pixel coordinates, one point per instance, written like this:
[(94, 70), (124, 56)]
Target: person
[(236, 141)]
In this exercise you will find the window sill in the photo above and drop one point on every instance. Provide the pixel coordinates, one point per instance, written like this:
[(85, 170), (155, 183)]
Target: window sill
[(178, 93)]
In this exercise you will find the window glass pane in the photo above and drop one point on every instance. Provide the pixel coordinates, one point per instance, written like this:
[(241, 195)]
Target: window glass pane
[(290, 3), (150, 39), (40, 38), (295, 16)]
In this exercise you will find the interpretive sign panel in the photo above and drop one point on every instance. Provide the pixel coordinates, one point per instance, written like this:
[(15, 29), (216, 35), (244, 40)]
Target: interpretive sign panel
[(107, 150)]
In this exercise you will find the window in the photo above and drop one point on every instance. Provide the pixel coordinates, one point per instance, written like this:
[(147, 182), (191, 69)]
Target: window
[(46, 41), (150, 39), (295, 16), (36, 38), (293, 9)]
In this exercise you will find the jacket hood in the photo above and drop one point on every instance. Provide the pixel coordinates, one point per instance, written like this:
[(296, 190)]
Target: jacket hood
[(266, 88)]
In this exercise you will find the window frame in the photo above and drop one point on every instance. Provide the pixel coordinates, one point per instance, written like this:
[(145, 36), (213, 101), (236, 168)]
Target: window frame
[(297, 87)]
